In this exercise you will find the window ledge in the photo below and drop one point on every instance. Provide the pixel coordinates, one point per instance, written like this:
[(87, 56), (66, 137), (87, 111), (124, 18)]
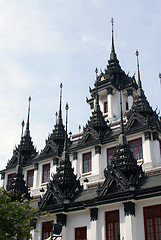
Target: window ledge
[(86, 174)]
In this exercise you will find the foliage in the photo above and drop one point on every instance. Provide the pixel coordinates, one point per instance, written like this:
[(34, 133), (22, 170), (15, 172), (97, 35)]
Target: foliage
[(15, 217)]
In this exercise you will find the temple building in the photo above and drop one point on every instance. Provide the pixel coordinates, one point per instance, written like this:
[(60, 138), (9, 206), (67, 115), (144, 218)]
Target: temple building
[(101, 183)]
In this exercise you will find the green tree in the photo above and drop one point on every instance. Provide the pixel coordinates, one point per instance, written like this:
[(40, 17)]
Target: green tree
[(15, 217)]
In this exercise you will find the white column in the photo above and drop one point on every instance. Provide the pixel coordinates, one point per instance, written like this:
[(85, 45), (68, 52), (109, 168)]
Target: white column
[(128, 221), (130, 97), (35, 175), (94, 231), (156, 149), (96, 160), (109, 102), (130, 228), (147, 151)]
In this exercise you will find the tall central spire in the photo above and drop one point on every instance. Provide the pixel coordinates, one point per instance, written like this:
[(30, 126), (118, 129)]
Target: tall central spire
[(113, 55)]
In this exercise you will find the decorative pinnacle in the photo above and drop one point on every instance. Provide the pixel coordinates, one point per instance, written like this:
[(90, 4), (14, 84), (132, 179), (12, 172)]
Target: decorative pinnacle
[(28, 119), (139, 80), (122, 138), (60, 111), (19, 166), (96, 71), (113, 54), (112, 21), (66, 135), (56, 114)]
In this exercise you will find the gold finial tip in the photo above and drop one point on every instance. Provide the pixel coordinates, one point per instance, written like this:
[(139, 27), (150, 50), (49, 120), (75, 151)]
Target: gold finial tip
[(29, 99), (96, 70), (61, 85), (112, 21)]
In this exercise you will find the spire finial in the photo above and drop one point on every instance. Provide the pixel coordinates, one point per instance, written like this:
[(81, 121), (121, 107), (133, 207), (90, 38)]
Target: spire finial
[(97, 96), (56, 115), (60, 106), (66, 134), (113, 54), (28, 119), (139, 91), (122, 138), (19, 166)]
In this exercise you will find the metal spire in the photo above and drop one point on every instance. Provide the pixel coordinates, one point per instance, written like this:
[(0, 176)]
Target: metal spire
[(66, 130), (122, 136), (27, 132), (97, 96), (59, 121), (139, 91), (112, 54), (19, 166)]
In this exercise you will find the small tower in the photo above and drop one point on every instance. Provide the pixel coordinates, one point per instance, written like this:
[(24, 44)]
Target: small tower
[(109, 83), (28, 151), (123, 173), (17, 185)]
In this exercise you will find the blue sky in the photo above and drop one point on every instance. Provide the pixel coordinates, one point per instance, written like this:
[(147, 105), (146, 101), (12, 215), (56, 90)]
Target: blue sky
[(46, 42)]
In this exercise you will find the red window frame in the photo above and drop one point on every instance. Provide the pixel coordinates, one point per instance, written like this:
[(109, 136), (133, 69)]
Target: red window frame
[(46, 173), (105, 107), (9, 178), (136, 148), (81, 233), (152, 222), (112, 225), (110, 152), (87, 162), (47, 229), (30, 178)]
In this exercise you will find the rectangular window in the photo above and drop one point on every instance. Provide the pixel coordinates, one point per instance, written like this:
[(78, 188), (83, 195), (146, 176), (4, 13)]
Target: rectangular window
[(152, 222), (105, 107), (81, 233), (30, 178), (110, 152), (46, 173), (136, 148), (112, 225), (10, 176), (47, 228), (87, 167)]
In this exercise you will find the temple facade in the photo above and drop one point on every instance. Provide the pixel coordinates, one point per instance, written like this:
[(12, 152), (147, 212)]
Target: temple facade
[(101, 183)]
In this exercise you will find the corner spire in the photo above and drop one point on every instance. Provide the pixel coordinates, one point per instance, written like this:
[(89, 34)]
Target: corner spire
[(122, 137), (66, 130), (113, 55), (17, 185), (139, 91), (27, 132), (19, 166), (59, 120), (96, 107)]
